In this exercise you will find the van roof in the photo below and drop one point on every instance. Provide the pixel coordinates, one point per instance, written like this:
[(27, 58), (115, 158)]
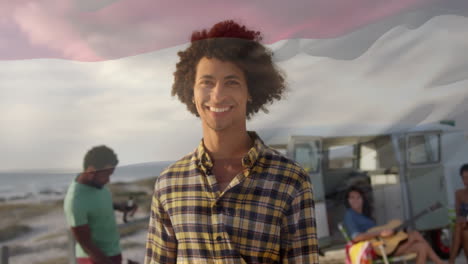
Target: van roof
[(281, 135)]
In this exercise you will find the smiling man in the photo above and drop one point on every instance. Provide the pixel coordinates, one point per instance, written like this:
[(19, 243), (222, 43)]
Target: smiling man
[(232, 200)]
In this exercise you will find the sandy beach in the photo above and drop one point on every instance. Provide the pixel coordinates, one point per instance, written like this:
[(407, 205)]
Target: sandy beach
[(35, 230)]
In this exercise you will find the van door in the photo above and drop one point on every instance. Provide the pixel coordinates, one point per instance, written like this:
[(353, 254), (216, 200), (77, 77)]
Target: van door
[(307, 151), (425, 178)]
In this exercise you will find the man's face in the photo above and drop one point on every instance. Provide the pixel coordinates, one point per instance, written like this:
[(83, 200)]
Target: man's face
[(220, 94), (102, 176), (465, 178)]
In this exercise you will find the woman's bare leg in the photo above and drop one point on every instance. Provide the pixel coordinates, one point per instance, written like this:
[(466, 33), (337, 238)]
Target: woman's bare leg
[(464, 242), (456, 241), (411, 247), (417, 242)]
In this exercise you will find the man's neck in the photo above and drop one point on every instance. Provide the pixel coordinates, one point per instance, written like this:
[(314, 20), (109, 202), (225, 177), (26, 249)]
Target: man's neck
[(83, 180), (226, 144)]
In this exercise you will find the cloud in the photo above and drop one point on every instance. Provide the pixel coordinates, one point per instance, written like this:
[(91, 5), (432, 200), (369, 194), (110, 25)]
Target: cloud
[(47, 26)]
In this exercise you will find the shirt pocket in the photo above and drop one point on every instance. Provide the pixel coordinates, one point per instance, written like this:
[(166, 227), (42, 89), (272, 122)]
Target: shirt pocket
[(255, 231)]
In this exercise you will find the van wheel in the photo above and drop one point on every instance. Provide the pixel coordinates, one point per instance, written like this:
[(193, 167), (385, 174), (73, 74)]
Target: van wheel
[(440, 242)]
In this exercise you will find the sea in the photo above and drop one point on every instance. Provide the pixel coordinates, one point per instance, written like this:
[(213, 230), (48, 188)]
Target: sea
[(53, 183)]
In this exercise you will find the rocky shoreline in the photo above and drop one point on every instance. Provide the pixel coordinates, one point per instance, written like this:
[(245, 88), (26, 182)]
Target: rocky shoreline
[(35, 231)]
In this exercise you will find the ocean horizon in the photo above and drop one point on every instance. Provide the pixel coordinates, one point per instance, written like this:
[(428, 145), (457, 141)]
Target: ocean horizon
[(51, 183)]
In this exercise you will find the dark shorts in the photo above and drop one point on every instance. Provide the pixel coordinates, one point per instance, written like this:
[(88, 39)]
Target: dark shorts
[(115, 259)]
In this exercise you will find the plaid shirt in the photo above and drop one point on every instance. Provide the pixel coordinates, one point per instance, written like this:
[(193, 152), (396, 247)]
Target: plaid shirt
[(265, 214)]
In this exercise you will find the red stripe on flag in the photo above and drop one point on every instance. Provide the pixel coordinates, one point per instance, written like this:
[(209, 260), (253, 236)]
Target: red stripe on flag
[(61, 29)]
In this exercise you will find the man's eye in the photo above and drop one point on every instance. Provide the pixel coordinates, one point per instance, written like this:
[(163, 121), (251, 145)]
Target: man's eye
[(206, 82), (232, 83)]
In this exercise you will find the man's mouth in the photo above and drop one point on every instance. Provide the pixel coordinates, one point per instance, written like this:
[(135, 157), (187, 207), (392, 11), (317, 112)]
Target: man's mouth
[(219, 109)]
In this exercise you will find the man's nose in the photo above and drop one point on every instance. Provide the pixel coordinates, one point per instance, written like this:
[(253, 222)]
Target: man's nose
[(219, 92)]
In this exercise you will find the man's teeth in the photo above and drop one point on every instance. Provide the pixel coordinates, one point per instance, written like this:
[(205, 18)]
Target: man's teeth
[(219, 110)]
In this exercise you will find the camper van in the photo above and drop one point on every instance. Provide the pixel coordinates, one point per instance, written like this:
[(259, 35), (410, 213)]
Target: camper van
[(404, 170)]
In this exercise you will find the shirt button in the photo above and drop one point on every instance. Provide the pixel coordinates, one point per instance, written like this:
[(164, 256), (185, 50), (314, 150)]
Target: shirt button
[(219, 238), (230, 211), (218, 209)]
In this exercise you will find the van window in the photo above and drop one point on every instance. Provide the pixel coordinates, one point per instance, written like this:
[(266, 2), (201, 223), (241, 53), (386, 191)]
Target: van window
[(281, 150), (341, 157), (368, 156), (308, 156), (424, 149)]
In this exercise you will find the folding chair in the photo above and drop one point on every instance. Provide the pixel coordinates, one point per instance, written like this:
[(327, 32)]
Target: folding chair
[(384, 259)]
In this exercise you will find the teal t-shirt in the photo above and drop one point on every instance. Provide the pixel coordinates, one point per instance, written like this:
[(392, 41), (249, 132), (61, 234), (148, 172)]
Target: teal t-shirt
[(92, 206)]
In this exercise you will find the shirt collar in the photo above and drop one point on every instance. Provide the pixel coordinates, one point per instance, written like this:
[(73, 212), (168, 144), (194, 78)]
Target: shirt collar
[(205, 162)]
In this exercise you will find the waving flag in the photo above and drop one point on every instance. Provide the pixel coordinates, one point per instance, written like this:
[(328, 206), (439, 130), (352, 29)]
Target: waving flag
[(77, 73), (80, 73)]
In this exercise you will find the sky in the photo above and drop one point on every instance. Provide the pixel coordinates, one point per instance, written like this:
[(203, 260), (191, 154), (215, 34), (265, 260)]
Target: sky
[(74, 74)]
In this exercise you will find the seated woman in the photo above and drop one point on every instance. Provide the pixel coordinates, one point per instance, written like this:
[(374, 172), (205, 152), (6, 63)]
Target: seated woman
[(358, 220), (460, 236)]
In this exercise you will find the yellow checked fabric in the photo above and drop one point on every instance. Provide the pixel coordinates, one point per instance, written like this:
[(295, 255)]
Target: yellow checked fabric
[(265, 215)]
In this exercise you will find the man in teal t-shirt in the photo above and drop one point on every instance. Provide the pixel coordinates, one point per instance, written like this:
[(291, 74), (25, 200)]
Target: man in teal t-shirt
[(90, 212)]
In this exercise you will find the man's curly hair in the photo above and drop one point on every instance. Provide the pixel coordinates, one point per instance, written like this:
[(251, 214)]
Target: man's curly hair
[(229, 41)]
